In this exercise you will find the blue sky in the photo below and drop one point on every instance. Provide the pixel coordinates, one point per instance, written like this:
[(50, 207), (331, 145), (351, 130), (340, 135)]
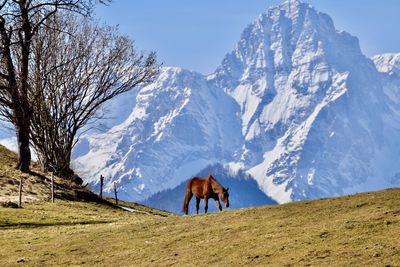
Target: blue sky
[(197, 34)]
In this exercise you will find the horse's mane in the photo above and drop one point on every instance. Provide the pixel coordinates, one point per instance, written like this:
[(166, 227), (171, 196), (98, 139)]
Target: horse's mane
[(215, 184)]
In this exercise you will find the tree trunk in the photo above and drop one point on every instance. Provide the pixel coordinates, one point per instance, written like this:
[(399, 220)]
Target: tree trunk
[(24, 152), (63, 161)]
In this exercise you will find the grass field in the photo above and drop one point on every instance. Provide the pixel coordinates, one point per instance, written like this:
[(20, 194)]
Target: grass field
[(359, 230)]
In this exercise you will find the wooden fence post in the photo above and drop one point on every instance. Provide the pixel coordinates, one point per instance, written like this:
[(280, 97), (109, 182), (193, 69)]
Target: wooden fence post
[(101, 186), (115, 191), (20, 193), (52, 187)]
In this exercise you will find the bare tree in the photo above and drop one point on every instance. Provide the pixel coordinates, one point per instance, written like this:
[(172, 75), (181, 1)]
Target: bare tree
[(76, 71), (20, 22)]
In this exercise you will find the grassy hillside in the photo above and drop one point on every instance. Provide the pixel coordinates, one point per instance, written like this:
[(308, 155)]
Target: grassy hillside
[(358, 230), (36, 185)]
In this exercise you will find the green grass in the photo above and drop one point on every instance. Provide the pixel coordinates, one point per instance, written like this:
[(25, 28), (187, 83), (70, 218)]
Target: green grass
[(359, 230)]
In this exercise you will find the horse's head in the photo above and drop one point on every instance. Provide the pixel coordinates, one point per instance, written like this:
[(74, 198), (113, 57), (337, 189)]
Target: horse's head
[(224, 195)]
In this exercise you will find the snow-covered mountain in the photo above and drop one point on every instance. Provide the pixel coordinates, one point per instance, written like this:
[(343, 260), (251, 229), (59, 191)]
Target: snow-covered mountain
[(296, 104)]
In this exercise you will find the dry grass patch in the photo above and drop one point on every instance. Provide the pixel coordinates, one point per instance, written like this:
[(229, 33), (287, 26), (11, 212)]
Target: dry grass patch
[(36, 185), (359, 230)]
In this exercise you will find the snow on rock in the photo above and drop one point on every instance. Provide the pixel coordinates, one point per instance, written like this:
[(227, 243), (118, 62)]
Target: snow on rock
[(388, 63)]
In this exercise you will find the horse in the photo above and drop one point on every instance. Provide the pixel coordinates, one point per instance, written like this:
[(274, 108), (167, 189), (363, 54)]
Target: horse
[(205, 188)]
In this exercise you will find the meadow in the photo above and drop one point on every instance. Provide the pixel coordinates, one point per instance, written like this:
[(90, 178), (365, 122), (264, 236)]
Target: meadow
[(80, 229), (358, 230)]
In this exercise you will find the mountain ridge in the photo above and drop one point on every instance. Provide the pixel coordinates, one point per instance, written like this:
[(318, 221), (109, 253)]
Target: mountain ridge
[(288, 104)]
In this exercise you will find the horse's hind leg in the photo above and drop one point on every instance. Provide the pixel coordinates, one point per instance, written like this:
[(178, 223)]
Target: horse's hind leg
[(197, 205), (188, 201)]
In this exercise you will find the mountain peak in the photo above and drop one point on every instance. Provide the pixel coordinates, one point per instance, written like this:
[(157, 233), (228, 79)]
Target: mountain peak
[(285, 35), (290, 8), (292, 5)]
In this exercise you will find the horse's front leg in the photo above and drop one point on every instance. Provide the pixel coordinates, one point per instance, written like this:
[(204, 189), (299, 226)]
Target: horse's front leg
[(197, 205), (218, 204), (205, 204)]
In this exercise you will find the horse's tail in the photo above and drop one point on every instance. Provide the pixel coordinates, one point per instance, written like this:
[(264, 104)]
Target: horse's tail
[(185, 206)]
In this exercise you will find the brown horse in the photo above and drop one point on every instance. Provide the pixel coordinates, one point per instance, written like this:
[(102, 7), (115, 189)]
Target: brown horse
[(205, 188)]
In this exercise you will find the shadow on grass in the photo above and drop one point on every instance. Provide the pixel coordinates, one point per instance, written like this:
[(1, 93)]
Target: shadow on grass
[(38, 225)]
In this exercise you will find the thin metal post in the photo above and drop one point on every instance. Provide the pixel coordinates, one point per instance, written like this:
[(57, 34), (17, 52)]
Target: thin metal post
[(52, 187), (20, 193), (115, 191), (101, 185)]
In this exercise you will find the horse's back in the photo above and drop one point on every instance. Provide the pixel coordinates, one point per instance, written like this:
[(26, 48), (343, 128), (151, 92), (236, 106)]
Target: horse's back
[(197, 181)]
